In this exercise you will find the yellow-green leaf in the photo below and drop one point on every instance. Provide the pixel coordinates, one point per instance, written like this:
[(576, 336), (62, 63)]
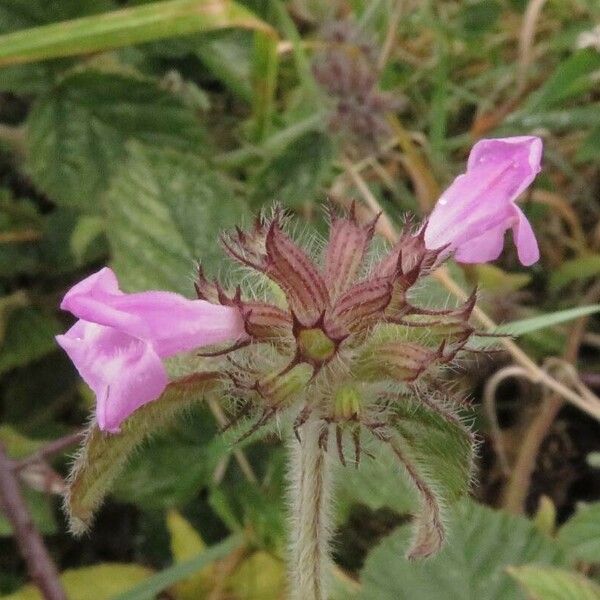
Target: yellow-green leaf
[(186, 543), (100, 582), (259, 577)]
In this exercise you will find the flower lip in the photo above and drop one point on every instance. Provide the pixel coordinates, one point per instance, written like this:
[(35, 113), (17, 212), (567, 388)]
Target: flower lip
[(473, 214), (119, 340)]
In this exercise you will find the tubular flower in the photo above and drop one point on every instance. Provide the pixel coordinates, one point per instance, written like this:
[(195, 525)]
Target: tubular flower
[(473, 214), (119, 340)]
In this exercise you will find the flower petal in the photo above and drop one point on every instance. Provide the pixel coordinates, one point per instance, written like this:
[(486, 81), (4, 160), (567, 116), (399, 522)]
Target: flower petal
[(484, 248), (170, 322), (527, 246), (124, 372), (482, 199)]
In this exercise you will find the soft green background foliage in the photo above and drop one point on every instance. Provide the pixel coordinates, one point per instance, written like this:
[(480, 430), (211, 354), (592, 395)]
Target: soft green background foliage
[(135, 139)]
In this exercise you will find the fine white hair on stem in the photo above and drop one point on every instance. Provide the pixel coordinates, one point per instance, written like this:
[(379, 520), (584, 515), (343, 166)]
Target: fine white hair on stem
[(310, 530)]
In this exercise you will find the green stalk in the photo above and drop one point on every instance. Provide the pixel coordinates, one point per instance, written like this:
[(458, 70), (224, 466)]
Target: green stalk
[(125, 27)]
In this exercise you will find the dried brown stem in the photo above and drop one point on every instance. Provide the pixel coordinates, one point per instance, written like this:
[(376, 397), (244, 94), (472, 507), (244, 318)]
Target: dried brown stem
[(31, 545)]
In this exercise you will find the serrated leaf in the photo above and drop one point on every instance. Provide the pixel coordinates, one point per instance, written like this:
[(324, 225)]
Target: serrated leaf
[(524, 326), (104, 456), (76, 133), (100, 582), (294, 176), (133, 25), (482, 543), (29, 336), (547, 583), (165, 211), (580, 535)]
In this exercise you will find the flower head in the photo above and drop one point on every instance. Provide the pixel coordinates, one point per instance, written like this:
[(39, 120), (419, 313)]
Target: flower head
[(119, 340), (473, 214)]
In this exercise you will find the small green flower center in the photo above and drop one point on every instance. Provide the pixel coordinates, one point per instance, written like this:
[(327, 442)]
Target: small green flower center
[(315, 345)]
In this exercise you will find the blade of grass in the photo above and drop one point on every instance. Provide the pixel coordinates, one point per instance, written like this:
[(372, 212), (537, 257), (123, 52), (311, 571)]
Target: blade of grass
[(126, 27), (149, 588), (264, 75), (523, 326)]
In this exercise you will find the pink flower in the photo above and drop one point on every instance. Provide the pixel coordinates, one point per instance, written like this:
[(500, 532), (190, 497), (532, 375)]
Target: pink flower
[(473, 214), (119, 341)]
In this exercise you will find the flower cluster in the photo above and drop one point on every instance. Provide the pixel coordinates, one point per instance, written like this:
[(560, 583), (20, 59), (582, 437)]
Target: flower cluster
[(337, 338), (346, 69)]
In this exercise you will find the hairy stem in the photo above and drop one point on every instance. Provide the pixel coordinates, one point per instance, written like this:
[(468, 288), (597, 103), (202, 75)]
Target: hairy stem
[(310, 531)]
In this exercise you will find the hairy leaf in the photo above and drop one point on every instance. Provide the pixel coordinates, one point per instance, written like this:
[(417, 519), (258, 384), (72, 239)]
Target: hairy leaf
[(435, 452), (103, 456), (482, 543), (76, 133), (165, 211)]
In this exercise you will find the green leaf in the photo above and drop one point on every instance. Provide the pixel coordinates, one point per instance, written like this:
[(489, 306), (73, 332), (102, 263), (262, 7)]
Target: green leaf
[(150, 481), (482, 543), (581, 533), (180, 571), (87, 231), (104, 456), (576, 269), (165, 211), (524, 326), (227, 56), (125, 27), (40, 508), (77, 132), (547, 583), (377, 483), (100, 582), (435, 453), (295, 175), (29, 336), (572, 78)]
